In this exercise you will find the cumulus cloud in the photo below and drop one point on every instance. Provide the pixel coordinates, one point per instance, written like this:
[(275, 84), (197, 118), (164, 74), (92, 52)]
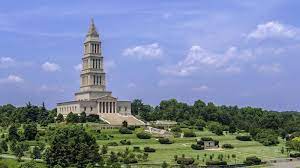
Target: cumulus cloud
[(12, 79), (274, 29), (131, 85), (150, 51), (200, 88), (6, 62), (268, 68), (50, 67), (199, 58), (78, 67)]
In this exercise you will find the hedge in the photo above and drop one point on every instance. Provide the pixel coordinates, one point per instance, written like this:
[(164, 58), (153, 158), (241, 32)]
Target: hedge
[(216, 163), (253, 160), (165, 141), (125, 142), (197, 147), (149, 149), (243, 138), (227, 146), (143, 135), (295, 155), (189, 134), (185, 161), (124, 130)]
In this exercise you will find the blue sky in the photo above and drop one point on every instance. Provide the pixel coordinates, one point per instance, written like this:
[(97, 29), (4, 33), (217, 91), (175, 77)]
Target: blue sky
[(229, 52)]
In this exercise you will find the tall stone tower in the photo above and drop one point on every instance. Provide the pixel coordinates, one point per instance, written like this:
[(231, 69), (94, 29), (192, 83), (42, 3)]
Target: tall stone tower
[(93, 83)]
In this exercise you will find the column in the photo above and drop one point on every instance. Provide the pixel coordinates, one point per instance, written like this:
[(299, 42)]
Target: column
[(109, 107), (104, 107), (98, 107)]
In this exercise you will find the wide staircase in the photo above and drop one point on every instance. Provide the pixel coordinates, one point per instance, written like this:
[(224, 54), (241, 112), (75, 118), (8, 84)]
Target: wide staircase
[(117, 119)]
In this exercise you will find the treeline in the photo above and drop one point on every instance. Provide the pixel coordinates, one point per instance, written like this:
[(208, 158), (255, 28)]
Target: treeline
[(257, 121), (28, 114)]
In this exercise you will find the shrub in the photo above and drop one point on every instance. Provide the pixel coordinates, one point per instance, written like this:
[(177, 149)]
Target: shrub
[(189, 134), (243, 138), (206, 139), (136, 149), (112, 144), (124, 130), (176, 129), (253, 160), (295, 155), (165, 141), (227, 146), (143, 135), (149, 149), (197, 147), (93, 118), (267, 137), (200, 142), (131, 127), (125, 142), (216, 162), (185, 161)]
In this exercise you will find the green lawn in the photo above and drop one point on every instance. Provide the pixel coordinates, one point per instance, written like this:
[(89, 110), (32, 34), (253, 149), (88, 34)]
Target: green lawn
[(183, 146)]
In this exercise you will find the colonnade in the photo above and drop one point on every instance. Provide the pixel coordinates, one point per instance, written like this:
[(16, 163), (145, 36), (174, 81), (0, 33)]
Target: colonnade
[(107, 107)]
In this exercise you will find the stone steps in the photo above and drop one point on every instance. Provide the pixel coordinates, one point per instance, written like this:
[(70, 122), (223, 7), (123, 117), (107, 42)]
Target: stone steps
[(117, 119)]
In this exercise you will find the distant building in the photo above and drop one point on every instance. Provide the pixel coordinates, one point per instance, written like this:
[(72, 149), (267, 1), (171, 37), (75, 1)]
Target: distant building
[(93, 98)]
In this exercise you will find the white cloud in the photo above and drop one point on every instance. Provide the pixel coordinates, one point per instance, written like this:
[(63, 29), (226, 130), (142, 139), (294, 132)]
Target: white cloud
[(12, 79), (268, 68), (46, 88), (201, 59), (150, 51), (273, 29), (200, 88), (6, 62), (50, 67), (109, 65), (131, 85), (78, 67)]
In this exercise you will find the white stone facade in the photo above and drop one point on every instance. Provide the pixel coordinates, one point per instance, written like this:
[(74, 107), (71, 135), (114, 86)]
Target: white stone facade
[(92, 97)]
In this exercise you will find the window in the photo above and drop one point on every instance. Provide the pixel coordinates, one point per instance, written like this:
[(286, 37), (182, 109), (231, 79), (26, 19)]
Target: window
[(84, 108), (125, 108), (91, 108)]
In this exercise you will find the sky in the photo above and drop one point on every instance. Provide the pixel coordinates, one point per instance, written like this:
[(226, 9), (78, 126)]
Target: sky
[(231, 52)]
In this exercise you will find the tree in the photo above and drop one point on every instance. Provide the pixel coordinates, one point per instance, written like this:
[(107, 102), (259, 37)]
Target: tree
[(136, 106), (30, 131), (232, 128), (36, 153), (13, 133), (72, 145), (165, 165), (3, 146), (19, 150), (72, 118), (125, 123), (82, 117), (60, 118)]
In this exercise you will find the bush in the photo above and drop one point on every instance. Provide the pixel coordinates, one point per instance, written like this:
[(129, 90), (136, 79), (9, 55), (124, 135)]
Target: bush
[(165, 141), (112, 144), (136, 149), (149, 149), (206, 139), (185, 161), (267, 137), (189, 134), (125, 142), (243, 138), (295, 155), (176, 129), (197, 147), (216, 162), (131, 127), (253, 160), (143, 135), (124, 130), (227, 146), (93, 118)]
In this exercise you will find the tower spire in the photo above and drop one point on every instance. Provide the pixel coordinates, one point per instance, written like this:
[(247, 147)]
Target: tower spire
[(92, 29)]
